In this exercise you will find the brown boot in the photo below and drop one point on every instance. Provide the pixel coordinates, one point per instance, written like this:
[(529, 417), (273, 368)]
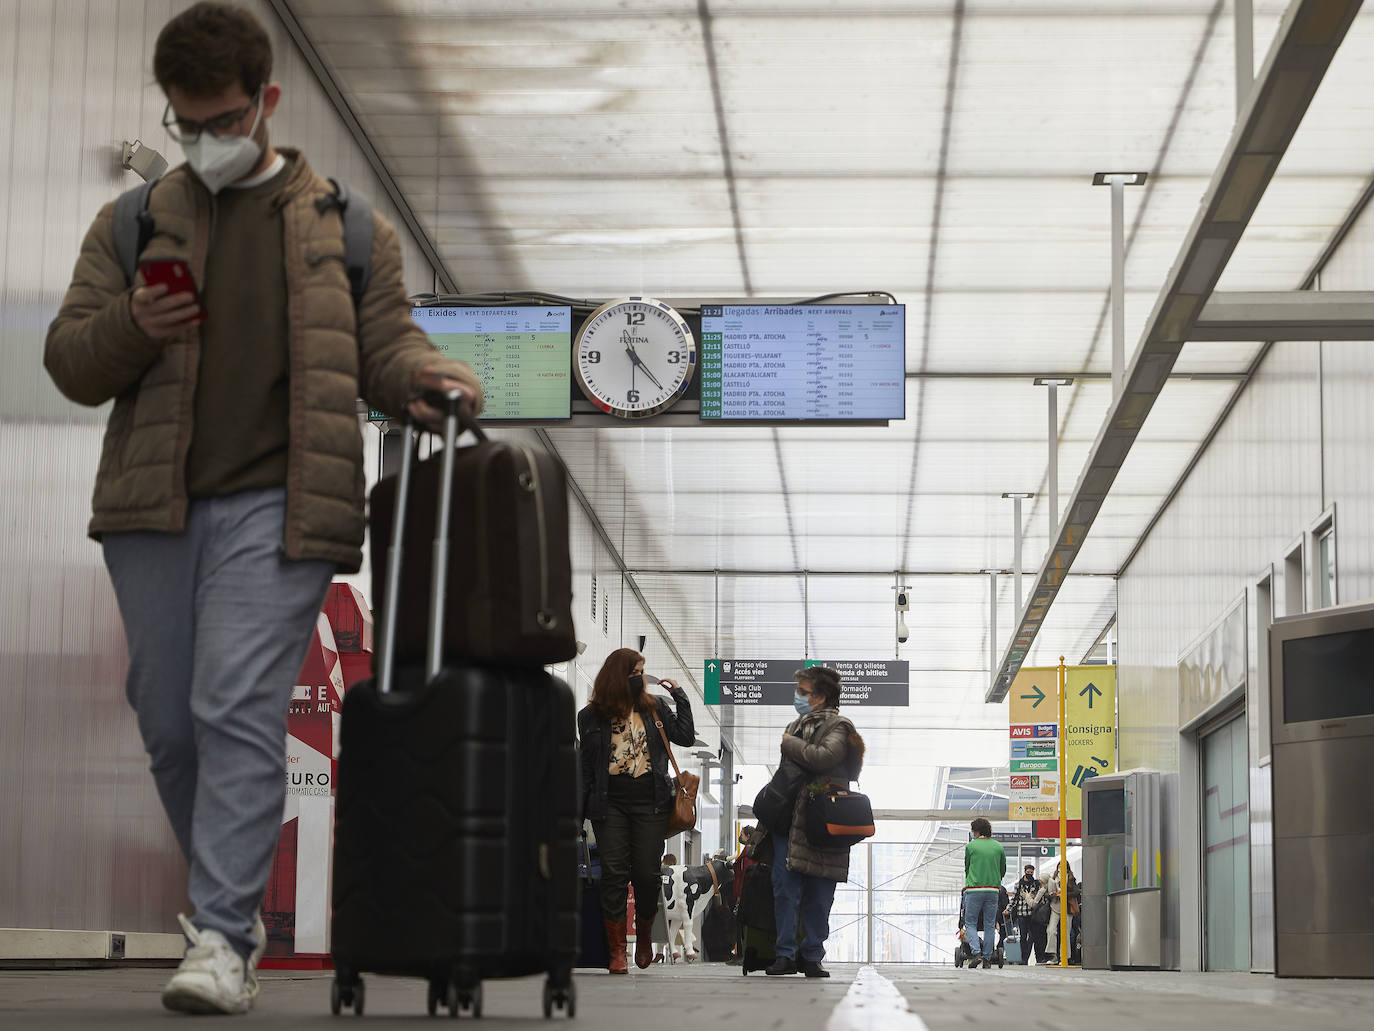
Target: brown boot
[(644, 941), (615, 938)]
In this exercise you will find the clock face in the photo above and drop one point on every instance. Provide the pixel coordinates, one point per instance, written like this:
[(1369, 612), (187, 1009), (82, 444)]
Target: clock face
[(635, 357)]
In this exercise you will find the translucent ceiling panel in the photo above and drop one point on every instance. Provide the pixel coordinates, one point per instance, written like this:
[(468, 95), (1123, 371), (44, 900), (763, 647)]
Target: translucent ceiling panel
[(845, 89), (1084, 606), (996, 327), (1213, 358), (1054, 89), (762, 617), (685, 605)]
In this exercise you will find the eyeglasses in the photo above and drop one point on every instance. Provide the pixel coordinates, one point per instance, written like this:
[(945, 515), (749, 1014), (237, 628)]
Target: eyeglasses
[(183, 130)]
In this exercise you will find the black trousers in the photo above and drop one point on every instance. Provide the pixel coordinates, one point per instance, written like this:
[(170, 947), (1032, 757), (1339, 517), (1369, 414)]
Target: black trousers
[(630, 840), (1035, 936)]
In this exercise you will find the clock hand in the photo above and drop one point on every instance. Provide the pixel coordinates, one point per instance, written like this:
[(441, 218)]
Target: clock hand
[(638, 363)]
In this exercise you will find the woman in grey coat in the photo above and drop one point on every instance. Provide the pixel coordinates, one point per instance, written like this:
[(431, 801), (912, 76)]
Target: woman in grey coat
[(825, 745)]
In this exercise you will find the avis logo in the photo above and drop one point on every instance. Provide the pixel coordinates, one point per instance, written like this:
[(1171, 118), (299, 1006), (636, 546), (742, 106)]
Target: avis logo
[(1022, 733)]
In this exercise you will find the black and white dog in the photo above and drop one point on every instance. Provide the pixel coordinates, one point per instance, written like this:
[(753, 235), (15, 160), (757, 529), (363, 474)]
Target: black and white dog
[(686, 891)]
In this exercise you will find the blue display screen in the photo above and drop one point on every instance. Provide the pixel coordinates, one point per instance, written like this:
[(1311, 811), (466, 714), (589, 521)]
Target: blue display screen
[(803, 362)]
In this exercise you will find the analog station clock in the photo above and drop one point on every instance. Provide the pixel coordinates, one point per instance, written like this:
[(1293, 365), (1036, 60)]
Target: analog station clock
[(634, 357)]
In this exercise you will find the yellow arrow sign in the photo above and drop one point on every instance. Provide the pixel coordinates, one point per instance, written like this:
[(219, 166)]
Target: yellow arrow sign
[(1034, 697), (1091, 737)]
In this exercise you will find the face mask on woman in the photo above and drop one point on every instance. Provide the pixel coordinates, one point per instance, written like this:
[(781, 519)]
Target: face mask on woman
[(636, 684), (801, 703)]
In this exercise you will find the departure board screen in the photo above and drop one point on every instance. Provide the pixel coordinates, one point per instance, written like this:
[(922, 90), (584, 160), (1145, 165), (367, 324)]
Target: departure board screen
[(803, 362), (522, 355)]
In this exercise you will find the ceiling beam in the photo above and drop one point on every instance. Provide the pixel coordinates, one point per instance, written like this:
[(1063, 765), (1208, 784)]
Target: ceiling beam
[(1292, 315), (1306, 42)]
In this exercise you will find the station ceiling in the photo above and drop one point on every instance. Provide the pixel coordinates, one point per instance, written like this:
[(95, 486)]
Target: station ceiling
[(943, 151)]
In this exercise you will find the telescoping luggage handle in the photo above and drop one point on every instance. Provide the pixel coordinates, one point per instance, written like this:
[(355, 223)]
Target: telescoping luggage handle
[(456, 418)]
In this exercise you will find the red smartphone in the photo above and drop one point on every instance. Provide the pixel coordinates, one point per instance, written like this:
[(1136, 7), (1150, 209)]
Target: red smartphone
[(176, 274)]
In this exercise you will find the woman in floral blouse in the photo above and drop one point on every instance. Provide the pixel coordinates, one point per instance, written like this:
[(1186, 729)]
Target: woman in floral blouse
[(627, 792)]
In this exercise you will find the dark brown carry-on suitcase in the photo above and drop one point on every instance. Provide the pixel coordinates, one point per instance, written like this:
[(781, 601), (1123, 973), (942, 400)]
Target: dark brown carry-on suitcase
[(455, 838), (508, 547)]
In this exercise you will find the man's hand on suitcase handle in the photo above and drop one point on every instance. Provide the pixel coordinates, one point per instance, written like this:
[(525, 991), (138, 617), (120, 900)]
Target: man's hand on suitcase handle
[(427, 410)]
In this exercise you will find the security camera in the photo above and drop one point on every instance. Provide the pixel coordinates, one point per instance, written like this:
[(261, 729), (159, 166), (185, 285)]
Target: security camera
[(903, 634), (144, 161), (902, 601)]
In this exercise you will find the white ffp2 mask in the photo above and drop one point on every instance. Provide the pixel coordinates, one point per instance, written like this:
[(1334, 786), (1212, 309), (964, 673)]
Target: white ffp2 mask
[(219, 162)]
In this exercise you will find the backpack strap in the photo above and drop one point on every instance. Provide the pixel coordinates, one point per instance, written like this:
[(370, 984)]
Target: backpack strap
[(356, 211), (133, 228)]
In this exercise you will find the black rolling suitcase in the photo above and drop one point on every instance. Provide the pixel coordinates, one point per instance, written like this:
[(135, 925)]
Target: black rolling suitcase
[(594, 951), (455, 847)]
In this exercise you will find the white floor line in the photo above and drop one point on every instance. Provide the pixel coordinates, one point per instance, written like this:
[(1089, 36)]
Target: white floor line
[(873, 1004)]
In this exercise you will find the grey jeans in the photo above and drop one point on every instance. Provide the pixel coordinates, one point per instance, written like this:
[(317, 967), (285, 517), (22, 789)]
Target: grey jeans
[(217, 622)]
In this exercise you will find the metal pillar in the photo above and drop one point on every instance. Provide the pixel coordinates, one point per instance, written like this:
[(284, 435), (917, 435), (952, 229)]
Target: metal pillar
[(1118, 286), (869, 893), (992, 622), (1016, 555), (1245, 52), (1052, 475), (1118, 181), (1016, 536), (727, 799)]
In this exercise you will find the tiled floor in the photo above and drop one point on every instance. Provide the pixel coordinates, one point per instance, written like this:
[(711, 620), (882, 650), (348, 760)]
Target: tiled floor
[(698, 998)]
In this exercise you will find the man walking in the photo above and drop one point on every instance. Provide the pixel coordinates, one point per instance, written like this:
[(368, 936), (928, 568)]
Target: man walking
[(985, 864), (1026, 896), (230, 484)]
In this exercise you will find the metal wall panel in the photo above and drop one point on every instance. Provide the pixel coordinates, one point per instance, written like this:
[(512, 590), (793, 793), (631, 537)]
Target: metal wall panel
[(85, 843), (1254, 491), (1297, 443)]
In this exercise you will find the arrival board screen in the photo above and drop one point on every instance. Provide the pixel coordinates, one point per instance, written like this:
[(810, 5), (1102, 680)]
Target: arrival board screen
[(522, 355), (803, 361)]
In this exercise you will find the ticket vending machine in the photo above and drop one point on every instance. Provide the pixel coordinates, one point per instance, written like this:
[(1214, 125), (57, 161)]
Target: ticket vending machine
[(1121, 880), (1322, 730)]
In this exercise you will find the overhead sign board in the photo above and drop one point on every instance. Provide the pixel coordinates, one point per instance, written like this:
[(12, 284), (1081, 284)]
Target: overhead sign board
[(803, 361), (1089, 741), (771, 682), (1033, 718), (1090, 721), (521, 354)]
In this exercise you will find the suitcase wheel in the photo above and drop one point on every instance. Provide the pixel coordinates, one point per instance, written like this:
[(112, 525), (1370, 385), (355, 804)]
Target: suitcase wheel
[(559, 998), (460, 999), (346, 994)]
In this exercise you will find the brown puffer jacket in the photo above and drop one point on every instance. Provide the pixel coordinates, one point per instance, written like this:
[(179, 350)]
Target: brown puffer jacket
[(831, 750), (96, 352)]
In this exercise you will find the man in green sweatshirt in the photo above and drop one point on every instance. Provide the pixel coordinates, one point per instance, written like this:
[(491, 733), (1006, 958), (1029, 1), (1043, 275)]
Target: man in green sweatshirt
[(985, 864)]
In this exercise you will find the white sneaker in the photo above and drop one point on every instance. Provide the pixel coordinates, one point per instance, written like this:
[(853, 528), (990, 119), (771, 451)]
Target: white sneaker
[(211, 977), (254, 957)]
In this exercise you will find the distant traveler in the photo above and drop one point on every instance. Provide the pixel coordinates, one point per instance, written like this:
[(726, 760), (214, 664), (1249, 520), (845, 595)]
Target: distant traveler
[(825, 745), (985, 864), (1052, 931), (627, 794), (230, 484), (1025, 897)]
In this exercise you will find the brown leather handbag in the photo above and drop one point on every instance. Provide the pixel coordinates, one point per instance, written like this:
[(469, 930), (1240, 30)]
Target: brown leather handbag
[(684, 814)]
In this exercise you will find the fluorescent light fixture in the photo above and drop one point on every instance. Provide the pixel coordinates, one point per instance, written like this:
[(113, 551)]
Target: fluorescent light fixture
[(1125, 178), (1052, 381), (1018, 494)]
